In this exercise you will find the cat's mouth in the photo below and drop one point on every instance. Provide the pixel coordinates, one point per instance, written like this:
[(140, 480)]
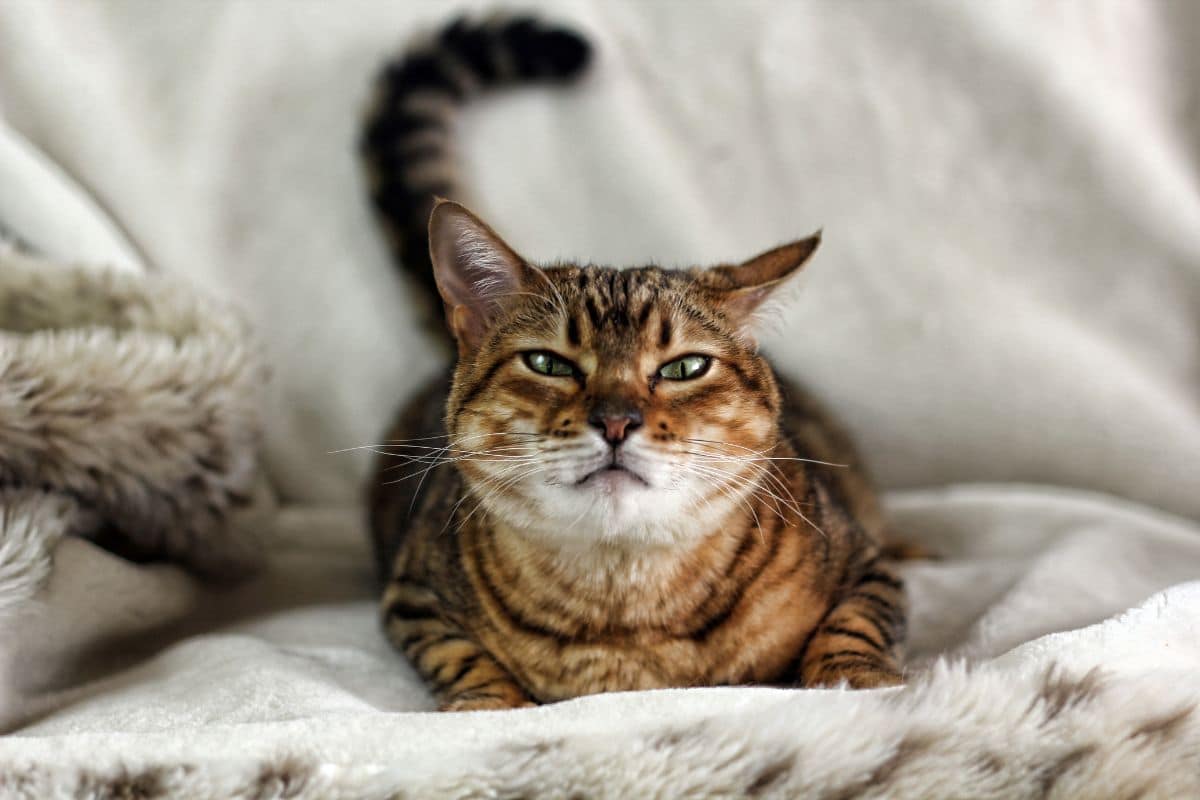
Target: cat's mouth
[(610, 473)]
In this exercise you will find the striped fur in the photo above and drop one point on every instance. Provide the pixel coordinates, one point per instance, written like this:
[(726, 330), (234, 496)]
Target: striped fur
[(406, 143), (544, 536)]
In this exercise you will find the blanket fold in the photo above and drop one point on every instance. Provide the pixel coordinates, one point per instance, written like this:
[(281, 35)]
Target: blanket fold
[(128, 414)]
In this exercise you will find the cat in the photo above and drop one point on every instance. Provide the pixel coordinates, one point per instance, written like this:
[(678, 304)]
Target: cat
[(613, 490)]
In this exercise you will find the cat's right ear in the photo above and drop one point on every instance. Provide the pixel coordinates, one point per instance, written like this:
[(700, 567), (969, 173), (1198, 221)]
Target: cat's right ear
[(475, 272)]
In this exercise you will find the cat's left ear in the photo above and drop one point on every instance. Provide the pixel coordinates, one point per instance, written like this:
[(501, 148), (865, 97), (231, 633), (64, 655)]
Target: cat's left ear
[(477, 273), (743, 288)]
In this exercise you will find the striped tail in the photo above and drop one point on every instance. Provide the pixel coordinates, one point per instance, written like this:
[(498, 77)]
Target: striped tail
[(406, 141)]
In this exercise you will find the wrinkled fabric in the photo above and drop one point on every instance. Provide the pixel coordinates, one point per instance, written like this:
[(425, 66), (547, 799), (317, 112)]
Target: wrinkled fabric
[(1005, 309)]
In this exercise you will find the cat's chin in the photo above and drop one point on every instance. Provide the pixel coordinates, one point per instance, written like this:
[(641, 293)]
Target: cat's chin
[(608, 507), (628, 506)]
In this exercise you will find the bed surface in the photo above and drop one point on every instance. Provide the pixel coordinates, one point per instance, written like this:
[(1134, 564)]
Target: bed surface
[(1005, 309)]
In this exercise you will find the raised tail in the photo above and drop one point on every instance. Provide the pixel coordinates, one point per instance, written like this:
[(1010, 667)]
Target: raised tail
[(406, 142)]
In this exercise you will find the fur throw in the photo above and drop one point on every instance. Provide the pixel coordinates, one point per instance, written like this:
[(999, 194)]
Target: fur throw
[(993, 732), (128, 414)]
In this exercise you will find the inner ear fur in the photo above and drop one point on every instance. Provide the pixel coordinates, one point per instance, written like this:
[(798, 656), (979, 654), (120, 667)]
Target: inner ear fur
[(476, 272), (744, 287)]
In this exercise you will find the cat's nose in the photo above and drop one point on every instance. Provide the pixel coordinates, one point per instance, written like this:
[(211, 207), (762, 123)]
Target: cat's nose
[(616, 427)]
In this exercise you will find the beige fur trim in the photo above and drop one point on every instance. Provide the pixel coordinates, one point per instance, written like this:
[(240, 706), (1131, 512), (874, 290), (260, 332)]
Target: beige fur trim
[(995, 733), (130, 397)]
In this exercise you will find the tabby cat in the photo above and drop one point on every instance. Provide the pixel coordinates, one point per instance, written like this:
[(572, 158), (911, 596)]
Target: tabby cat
[(613, 490)]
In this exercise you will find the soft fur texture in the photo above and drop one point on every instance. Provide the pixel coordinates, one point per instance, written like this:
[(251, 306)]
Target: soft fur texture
[(1007, 294), (127, 413), (594, 524), (1023, 729)]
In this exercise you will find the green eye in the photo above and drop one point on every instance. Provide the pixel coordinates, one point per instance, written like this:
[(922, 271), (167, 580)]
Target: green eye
[(686, 368), (549, 364)]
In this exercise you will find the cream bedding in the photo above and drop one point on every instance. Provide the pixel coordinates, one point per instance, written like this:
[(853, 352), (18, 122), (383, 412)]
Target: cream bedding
[(1006, 309)]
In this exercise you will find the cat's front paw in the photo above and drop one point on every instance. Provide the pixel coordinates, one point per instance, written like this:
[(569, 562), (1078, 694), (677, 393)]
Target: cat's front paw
[(484, 703), (875, 679), (858, 676)]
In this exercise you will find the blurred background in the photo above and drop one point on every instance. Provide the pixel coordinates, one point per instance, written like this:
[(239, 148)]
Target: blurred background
[(1008, 288)]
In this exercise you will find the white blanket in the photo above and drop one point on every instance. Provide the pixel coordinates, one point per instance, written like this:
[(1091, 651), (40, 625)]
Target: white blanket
[(1006, 309)]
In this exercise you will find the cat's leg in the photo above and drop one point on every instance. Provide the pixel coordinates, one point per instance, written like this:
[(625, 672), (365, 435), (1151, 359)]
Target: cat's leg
[(861, 639), (460, 672)]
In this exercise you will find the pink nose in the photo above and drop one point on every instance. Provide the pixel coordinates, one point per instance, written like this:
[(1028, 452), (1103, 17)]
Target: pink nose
[(616, 428)]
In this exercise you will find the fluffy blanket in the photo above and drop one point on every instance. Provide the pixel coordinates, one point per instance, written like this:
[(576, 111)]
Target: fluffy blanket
[(128, 415), (1007, 310), (131, 403)]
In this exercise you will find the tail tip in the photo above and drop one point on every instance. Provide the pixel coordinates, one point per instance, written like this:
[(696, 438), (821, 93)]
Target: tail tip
[(544, 51), (567, 53)]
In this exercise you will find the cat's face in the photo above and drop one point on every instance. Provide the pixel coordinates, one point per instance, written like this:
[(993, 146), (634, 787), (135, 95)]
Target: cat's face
[(591, 404)]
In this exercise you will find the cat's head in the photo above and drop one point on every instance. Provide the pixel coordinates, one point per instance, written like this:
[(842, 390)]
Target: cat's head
[(594, 404)]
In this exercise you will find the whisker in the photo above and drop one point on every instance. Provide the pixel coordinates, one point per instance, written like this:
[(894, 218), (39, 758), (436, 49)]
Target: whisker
[(776, 481), (510, 461), (753, 486), (725, 489), (497, 489), (403, 442), (498, 454), (757, 454), (457, 455), (467, 494)]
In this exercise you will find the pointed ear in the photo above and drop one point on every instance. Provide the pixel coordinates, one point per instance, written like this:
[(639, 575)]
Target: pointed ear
[(746, 286), (474, 269)]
